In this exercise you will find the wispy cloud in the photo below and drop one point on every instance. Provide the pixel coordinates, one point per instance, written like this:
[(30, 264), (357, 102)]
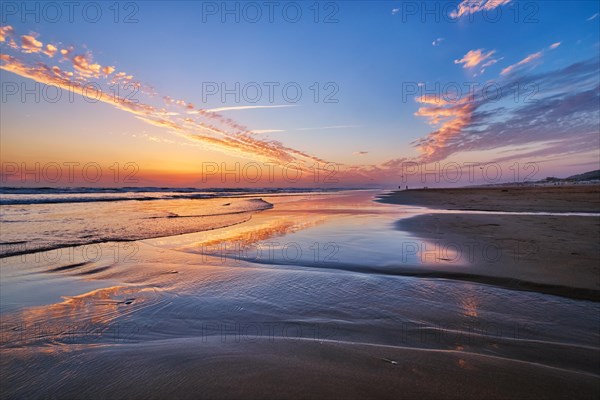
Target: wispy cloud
[(29, 44), (475, 57), (259, 131), (593, 17), (202, 127), (437, 41), (263, 131), (467, 7), (360, 153), (526, 60), (236, 108), (563, 115), (5, 32), (450, 119), (50, 50), (529, 59)]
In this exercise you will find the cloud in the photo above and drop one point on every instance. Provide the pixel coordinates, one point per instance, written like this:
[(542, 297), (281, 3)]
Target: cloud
[(5, 31), (432, 99), (562, 117), (236, 108), (206, 129), (554, 45), (259, 131), (450, 119), (29, 44), (65, 52), (50, 50), (123, 78), (489, 64), (526, 60), (360, 153), (395, 11), (467, 7), (475, 57), (593, 17), (83, 65), (437, 41), (107, 70)]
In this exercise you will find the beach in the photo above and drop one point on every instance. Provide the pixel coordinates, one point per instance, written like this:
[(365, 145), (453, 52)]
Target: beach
[(300, 200), (556, 253), (521, 198), (301, 295)]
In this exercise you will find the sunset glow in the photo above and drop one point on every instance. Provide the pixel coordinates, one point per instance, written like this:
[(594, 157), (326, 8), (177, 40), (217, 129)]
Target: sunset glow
[(178, 112)]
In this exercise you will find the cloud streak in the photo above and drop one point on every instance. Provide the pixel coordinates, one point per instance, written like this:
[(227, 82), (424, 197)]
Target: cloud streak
[(237, 108), (530, 58), (29, 44), (467, 7), (475, 57), (563, 111), (203, 127), (260, 131)]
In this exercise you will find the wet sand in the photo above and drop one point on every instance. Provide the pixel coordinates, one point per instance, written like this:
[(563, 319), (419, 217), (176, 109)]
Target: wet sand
[(575, 198), (174, 327), (548, 253), (290, 369), (170, 321), (551, 254)]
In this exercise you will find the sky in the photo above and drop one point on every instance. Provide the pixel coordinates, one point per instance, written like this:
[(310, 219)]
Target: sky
[(320, 94)]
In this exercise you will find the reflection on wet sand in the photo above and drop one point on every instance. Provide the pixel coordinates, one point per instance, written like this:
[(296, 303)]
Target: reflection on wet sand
[(77, 318), (241, 237)]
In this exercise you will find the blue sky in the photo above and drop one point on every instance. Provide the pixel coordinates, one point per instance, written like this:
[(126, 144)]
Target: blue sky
[(370, 53)]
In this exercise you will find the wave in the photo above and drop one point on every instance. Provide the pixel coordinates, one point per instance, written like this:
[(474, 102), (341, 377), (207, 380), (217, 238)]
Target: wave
[(109, 223), (48, 195)]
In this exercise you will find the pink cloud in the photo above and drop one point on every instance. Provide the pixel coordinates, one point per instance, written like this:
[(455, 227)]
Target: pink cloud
[(29, 44), (526, 60), (50, 50), (5, 31), (467, 7), (475, 57)]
